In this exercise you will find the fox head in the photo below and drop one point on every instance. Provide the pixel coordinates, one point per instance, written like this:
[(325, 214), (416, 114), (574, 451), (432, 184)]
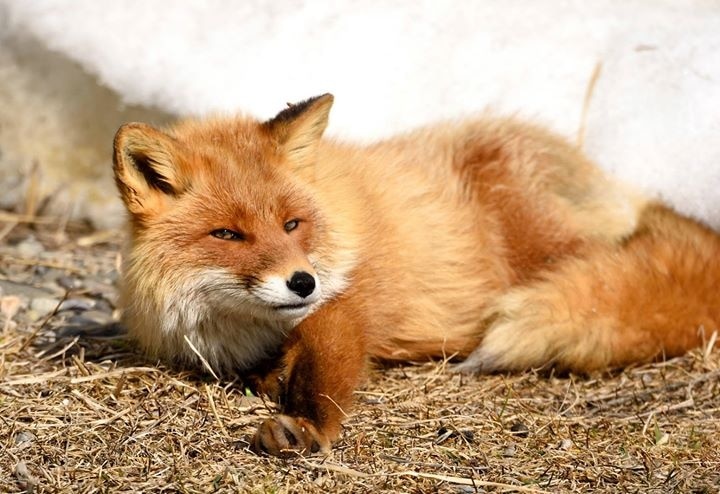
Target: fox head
[(225, 233)]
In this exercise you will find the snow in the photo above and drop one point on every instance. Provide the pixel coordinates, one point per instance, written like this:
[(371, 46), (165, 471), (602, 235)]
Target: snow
[(654, 116)]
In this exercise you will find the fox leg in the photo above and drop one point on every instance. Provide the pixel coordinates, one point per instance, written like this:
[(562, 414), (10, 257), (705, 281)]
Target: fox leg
[(323, 363), (656, 295)]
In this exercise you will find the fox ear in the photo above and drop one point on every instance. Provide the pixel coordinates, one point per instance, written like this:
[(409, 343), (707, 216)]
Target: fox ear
[(145, 166), (299, 128)]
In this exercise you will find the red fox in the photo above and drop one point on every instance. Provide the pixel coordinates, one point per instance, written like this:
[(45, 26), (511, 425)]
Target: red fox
[(261, 245)]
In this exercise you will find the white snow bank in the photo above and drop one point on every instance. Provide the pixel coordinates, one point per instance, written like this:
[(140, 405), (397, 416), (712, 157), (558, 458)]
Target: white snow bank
[(654, 118)]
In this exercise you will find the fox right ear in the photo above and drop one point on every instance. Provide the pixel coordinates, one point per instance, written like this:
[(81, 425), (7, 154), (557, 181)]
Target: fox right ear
[(299, 127), (145, 167)]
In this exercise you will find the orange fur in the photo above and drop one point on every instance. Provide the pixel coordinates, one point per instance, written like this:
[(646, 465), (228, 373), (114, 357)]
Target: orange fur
[(489, 240)]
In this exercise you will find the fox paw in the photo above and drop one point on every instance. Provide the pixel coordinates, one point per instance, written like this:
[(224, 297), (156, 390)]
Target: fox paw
[(284, 436), (269, 385)]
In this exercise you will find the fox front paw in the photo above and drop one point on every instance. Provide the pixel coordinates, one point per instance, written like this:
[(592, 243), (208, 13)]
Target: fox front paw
[(284, 436)]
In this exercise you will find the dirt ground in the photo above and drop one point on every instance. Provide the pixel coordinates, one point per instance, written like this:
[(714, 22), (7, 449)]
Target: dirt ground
[(81, 411)]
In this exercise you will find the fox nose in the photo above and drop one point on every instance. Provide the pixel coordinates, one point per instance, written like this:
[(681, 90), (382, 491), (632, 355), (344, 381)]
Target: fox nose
[(301, 283)]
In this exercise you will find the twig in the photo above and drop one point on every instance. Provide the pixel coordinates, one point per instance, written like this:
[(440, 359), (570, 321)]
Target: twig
[(589, 91), (411, 473), (39, 262), (202, 359), (215, 412)]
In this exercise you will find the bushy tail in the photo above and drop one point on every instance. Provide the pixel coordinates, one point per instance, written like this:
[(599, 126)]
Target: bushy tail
[(656, 295)]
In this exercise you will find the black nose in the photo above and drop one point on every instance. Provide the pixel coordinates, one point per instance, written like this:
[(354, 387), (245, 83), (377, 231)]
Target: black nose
[(301, 283)]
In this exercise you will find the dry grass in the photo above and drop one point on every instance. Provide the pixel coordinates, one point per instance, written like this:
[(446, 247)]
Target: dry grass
[(80, 412)]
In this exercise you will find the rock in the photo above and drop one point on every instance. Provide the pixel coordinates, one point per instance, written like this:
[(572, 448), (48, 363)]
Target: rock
[(444, 434), (509, 451), (77, 304), (468, 435), (25, 479), (22, 289), (29, 248), (518, 429), (98, 317), (468, 489), (80, 326), (24, 437), (102, 305), (68, 282), (44, 305), (565, 444), (97, 288)]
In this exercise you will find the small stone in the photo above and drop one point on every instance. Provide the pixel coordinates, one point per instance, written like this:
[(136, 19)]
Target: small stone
[(519, 429), (96, 289), (98, 317), (43, 305), (24, 437), (29, 248), (103, 305), (469, 436), (69, 283), (565, 444), (77, 304), (444, 434), (509, 451), (80, 326), (112, 277), (22, 289), (26, 480), (80, 322)]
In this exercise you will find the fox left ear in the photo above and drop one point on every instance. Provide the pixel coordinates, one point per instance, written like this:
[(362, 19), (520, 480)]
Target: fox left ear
[(146, 168), (299, 128)]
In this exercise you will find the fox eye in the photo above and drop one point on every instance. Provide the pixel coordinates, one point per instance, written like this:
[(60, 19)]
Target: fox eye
[(225, 234), (291, 225)]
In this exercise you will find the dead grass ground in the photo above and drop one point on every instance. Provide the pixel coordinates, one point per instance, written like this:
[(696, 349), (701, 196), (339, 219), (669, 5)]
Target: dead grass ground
[(81, 412)]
